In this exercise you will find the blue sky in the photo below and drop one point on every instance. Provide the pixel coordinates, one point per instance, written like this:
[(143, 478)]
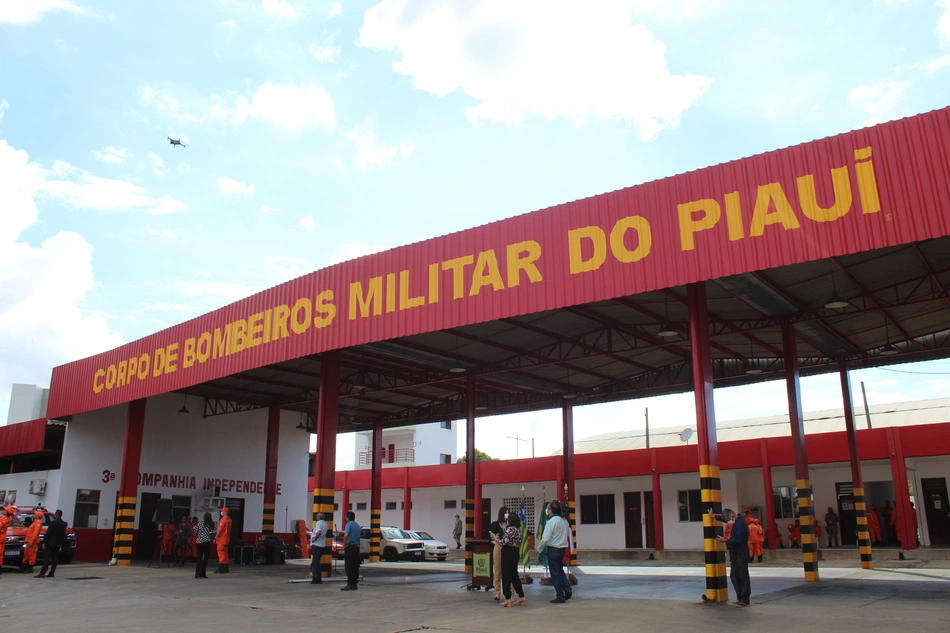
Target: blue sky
[(319, 131)]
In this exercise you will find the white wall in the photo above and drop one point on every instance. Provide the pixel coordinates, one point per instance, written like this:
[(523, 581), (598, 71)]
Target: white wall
[(20, 482), (684, 534), (609, 536), (432, 441), (27, 402), (229, 447)]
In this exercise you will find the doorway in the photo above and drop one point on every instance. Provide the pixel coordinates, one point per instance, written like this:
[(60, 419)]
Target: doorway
[(633, 520), (847, 517), (148, 533), (936, 509)]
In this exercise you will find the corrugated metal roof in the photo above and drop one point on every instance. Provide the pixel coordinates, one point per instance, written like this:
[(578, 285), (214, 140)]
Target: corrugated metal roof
[(916, 412)]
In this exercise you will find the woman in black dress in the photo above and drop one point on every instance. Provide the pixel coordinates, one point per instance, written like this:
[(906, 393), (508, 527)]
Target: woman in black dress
[(206, 532), (510, 555)]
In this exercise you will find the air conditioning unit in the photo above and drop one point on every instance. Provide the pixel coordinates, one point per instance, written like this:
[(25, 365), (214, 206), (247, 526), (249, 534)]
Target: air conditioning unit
[(38, 487), (211, 503)]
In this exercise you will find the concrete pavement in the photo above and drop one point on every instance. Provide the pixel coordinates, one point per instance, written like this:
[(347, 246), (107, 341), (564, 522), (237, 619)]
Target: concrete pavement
[(416, 596)]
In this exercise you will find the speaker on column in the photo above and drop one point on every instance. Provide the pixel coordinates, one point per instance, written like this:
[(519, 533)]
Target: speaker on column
[(163, 511)]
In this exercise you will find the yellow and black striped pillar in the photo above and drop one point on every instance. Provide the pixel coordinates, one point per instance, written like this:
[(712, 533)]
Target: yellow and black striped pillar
[(129, 482), (714, 552), (857, 483), (806, 518), (864, 536), (469, 533), (374, 535), (572, 521), (323, 502), (270, 470), (124, 529), (267, 522)]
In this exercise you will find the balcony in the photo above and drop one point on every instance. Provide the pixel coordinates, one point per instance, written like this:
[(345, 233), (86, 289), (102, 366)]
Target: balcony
[(390, 456)]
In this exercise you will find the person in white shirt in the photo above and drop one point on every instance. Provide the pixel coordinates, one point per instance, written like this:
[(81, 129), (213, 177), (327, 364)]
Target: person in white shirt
[(556, 539), (318, 541)]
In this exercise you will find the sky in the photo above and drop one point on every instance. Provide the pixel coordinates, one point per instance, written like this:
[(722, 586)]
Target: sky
[(320, 131)]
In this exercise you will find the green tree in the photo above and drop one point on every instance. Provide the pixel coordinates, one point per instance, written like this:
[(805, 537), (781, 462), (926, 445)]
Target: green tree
[(479, 457)]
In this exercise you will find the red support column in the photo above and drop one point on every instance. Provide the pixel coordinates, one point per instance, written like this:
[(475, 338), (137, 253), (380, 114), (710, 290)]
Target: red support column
[(709, 480), (567, 412), (324, 472), (657, 504), (469, 471), (376, 493), (406, 502), (857, 483), (905, 516), (270, 470), (806, 507), (128, 482), (771, 530)]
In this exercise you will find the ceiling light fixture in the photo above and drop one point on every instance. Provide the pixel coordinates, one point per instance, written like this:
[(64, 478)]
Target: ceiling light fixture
[(300, 426), (184, 407), (888, 349), (836, 302), (666, 330), (752, 367), (457, 368)]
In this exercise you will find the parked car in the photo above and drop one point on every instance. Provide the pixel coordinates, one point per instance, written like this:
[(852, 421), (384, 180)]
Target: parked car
[(339, 540), (16, 537), (394, 545), (435, 549)]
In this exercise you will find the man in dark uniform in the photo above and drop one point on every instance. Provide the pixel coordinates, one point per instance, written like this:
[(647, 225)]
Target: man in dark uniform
[(53, 542), (738, 546), (351, 552)]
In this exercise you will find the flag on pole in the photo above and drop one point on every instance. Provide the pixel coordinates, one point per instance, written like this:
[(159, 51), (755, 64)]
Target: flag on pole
[(524, 551), (542, 556)]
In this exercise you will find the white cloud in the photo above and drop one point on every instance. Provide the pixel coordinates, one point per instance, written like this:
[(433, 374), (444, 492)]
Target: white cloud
[(324, 53), (230, 186), (42, 290), (170, 307), (513, 58), (932, 66), (78, 188), (112, 155), (877, 99), (3, 107), (370, 155), (280, 9), (210, 291), (677, 9), (292, 106), (166, 104), (346, 252), (307, 223), (162, 233), (229, 23), (335, 10), (26, 11), (157, 164), (943, 24)]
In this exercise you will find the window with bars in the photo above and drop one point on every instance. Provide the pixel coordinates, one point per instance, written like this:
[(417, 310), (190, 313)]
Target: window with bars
[(390, 505), (690, 505), (530, 511), (783, 498)]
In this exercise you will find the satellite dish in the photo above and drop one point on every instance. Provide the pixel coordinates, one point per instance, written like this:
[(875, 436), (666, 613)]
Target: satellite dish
[(686, 434)]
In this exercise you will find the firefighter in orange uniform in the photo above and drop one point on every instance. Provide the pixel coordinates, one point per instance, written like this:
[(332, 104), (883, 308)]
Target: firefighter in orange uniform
[(816, 526), (224, 539), (756, 539), (794, 534), (6, 518), (168, 539), (898, 528), (874, 524), (32, 542)]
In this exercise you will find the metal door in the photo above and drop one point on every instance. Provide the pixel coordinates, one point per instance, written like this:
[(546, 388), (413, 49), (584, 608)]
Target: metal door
[(937, 510), (632, 520)]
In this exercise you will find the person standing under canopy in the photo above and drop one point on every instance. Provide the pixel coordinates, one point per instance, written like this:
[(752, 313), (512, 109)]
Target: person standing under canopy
[(223, 537)]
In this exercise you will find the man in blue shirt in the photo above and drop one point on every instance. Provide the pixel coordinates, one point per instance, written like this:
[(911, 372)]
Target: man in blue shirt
[(738, 546), (351, 552)]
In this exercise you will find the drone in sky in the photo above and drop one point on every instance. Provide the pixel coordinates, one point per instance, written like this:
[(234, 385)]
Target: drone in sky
[(176, 141)]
